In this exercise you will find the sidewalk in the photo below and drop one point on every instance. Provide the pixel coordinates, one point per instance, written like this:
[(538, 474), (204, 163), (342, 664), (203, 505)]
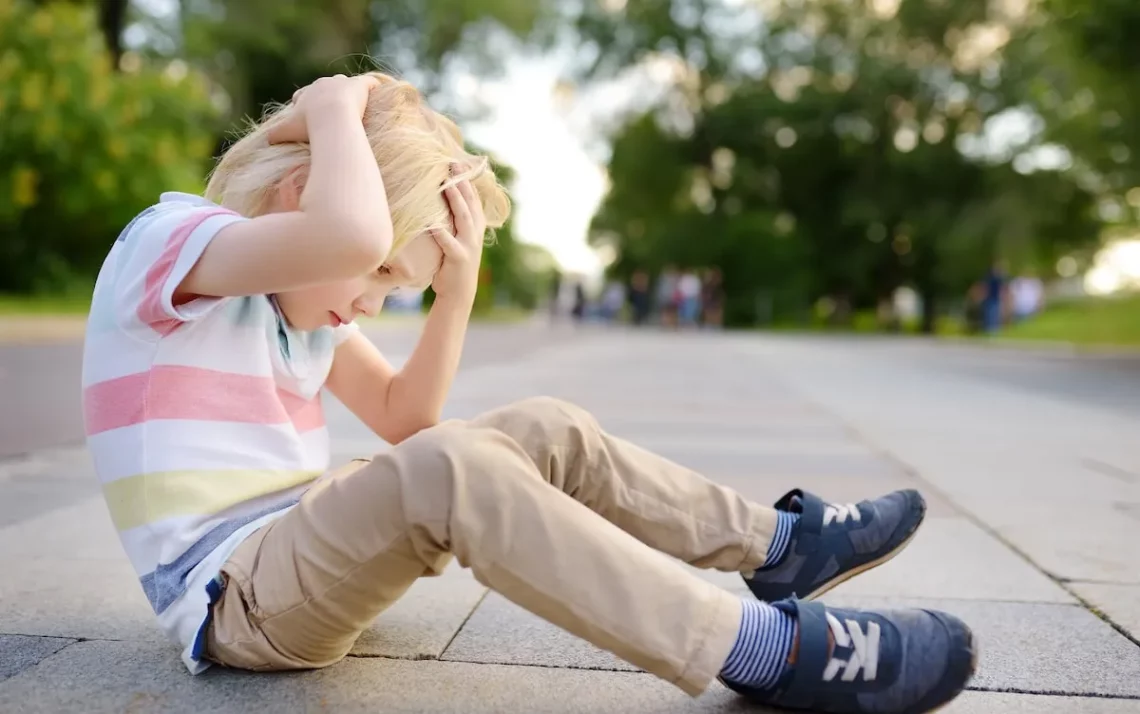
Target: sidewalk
[(1002, 546)]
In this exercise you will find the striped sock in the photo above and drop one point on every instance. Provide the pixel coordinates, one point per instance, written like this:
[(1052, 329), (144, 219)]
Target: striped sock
[(785, 524), (760, 654)]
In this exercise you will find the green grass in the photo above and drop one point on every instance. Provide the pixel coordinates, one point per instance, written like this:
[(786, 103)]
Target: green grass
[(1093, 321), (44, 305)]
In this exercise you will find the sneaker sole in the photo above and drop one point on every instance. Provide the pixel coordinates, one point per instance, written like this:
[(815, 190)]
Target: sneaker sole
[(844, 577)]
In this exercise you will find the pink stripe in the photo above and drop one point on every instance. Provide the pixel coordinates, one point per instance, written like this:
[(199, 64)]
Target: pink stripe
[(176, 392), (306, 414), (151, 310)]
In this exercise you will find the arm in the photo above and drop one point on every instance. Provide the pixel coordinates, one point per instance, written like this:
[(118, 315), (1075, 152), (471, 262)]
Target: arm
[(341, 227), (397, 405)]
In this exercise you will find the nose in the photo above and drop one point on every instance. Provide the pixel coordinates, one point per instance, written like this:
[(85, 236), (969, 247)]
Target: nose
[(370, 305)]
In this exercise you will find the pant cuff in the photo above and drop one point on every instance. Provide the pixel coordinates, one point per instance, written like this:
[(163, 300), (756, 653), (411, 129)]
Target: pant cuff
[(721, 628)]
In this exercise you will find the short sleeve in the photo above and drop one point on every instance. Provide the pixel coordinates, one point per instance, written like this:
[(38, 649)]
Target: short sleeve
[(342, 332), (159, 251)]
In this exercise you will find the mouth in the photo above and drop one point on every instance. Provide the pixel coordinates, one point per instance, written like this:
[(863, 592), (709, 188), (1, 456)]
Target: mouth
[(334, 319)]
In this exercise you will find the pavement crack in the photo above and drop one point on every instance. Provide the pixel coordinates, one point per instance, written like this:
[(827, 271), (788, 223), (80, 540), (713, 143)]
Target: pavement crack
[(1053, 693)]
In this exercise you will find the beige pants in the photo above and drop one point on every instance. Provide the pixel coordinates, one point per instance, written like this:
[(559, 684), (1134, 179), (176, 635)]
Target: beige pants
[(543, 506)]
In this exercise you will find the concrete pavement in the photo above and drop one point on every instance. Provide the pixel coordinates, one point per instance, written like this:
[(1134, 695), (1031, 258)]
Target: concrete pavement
[(1033, 478)]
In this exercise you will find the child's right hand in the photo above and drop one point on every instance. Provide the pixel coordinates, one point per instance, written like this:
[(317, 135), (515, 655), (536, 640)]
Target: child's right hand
[(323, 95)]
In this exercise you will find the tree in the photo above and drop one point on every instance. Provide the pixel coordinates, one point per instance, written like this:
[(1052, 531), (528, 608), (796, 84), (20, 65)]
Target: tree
[(843, 126), (82, 147)]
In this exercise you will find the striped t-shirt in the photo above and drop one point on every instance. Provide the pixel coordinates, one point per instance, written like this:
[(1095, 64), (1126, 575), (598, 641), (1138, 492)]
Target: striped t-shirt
[(204, 419)]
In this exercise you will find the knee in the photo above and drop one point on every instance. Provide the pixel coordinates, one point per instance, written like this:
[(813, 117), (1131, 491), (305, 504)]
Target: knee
[(439, 460), (551, 414)]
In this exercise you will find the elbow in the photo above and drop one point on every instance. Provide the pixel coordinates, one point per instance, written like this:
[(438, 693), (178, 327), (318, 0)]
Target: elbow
[(365, 242), (409, 427)]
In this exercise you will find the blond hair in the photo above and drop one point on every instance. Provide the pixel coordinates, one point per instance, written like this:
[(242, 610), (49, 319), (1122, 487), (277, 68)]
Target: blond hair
[(414, 147)]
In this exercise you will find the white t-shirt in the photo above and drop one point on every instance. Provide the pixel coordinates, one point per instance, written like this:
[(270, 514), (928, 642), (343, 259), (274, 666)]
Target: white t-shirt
[(204, 420)]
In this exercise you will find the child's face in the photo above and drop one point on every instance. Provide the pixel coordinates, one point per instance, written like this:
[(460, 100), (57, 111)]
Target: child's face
[(342, 302)]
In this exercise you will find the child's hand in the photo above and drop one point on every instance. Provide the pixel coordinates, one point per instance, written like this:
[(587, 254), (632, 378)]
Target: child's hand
[(323, 95), (458, 277)]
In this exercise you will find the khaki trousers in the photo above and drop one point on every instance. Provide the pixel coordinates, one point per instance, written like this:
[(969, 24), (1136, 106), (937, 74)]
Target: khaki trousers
[(543, 506)]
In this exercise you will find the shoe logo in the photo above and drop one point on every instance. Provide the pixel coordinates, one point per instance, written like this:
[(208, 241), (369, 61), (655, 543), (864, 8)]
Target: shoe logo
[(865, 650), (840, 513)]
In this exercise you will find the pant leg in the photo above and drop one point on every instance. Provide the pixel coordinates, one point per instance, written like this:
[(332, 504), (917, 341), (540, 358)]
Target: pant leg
[(302, 589), (664, 505)]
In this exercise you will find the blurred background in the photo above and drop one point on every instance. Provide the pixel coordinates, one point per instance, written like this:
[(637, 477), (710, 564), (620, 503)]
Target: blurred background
[(932, 166)]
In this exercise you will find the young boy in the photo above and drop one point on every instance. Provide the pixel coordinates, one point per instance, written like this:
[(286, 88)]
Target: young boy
[(215, 324)]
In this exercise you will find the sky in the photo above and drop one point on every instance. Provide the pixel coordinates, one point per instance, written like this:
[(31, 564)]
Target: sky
[(558, 184), (554, 136)]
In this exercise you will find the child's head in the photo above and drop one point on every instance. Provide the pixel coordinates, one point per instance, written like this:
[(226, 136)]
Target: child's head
[(415, 148)]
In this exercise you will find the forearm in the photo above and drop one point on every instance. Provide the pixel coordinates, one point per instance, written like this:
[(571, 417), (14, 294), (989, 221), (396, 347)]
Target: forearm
[(344, 189), (417, 394)]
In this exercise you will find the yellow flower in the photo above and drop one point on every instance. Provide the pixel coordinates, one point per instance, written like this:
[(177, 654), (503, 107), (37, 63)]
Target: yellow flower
[(41, 22), (60, 89), (163, 152), (100, 91), (117, 148), (24, 182), (105, 181), (49, 127), (9, 63), (32, 93)]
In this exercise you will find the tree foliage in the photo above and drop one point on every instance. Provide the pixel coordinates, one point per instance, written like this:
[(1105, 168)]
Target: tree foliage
[(83, 148), (831, 149)]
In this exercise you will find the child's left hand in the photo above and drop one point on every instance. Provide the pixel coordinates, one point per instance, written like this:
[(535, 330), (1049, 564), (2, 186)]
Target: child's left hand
[(458, 277)]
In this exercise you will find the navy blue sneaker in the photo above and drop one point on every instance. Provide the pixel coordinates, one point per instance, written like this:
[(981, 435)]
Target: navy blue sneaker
[(832, 543), (859, 662)]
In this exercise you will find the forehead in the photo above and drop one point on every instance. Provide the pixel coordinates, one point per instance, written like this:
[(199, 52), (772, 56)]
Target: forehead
[(418, 261)]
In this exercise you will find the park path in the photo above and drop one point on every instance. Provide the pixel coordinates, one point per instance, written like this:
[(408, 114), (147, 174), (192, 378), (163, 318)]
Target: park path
[(1030, 465)]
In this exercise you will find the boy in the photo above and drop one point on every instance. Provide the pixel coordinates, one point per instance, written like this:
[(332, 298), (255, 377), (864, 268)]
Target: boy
[(214, 325)]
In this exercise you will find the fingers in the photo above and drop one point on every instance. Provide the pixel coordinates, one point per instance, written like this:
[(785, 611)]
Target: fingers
[(474, 205), (460, 211), (448, 243)]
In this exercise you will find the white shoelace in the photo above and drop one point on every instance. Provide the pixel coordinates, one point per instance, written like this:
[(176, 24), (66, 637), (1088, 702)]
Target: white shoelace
[(840, 512), (865, 656)]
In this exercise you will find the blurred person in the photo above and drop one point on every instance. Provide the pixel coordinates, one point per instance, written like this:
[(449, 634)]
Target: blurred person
[(994, 297), (216, 322), (613, 300), (580, 306), (639, 298), (688, 298), (667, 296), (712, 299), (555, 296), (1027, 297)]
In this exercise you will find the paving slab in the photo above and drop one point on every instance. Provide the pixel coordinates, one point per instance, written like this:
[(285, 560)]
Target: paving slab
[(149, 678), (1119, 603), (804, 463), (768, 486), (949, 558), (952, 558), (75, 598), (18, 652), (426, 619), (81, 531), (992, 703), (1036, 647), (501, 632)]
